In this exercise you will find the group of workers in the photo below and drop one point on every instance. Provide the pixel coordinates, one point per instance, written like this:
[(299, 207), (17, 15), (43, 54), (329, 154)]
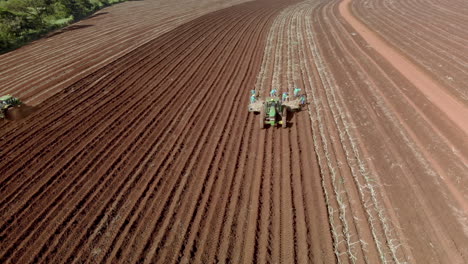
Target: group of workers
[(285, 96)]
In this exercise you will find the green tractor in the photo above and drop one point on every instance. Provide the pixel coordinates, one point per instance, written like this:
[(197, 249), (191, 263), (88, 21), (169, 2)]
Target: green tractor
[(7, 102), (273, 110), (273, 113)]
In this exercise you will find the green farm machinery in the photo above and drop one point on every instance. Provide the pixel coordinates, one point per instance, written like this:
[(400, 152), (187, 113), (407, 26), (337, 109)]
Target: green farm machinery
[(7, 103), (273, 110)]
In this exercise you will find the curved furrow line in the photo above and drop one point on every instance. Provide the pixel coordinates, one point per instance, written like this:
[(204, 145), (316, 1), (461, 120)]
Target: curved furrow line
[(437, 15), (450, 12), (432, 45), (345, 191), (451, 24), (329, 174), (122, 63), (116, 23), (158, 247), (192, 15), (277, 202), (386, 111), (435, 49), (138, 100), (59, 62), (419, 78), (447, 134), (92, 64), (227, 243), (427, 26), (440, 21), (303, 168), (408, 173), (200, 254), (312, 190), (207, 63), (275, 238), (242, 244), (113, 26), (334, 107), (436, 134), (150, 104), (442, 70), (210, 236), (207, 185), (105, 85), (287, 225), (395, 154), (250, 243), (263, 245), (423, 23), (302, 245)]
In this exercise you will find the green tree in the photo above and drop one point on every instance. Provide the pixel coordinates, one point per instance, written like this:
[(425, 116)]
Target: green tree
[(35, 10), (77, 8)]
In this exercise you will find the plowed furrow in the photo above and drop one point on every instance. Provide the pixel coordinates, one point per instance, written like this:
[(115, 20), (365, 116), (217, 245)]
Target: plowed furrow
[(104, 114), (97, 41)]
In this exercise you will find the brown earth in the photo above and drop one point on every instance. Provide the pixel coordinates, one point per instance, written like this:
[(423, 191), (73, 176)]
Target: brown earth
[(145, 152), (39, 70), (19, 112)]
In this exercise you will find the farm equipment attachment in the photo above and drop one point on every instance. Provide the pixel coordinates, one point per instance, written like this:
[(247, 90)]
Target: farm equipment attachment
[(273, 110), (8, 105)]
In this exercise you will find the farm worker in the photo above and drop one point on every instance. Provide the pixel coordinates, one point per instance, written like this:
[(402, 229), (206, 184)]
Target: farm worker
[(253, 98), (296, 92), (253, 92), (285, 97), (303, 99), (273, 93)]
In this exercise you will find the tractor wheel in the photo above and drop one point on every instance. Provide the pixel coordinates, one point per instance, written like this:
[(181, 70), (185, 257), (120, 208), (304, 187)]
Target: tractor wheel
[(284, 117), (262, 118)]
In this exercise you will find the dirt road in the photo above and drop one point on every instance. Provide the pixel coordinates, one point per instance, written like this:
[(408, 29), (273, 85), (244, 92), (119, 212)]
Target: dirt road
[(149, 155)]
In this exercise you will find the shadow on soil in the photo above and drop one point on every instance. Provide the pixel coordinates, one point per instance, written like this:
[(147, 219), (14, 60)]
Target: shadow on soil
[(69, 28), (20, 112)]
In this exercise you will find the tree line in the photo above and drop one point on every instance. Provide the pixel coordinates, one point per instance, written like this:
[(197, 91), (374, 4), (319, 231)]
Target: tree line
[(24, 20)]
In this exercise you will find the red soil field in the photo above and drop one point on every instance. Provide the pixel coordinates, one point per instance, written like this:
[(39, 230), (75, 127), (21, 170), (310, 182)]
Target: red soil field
[(142, 150)]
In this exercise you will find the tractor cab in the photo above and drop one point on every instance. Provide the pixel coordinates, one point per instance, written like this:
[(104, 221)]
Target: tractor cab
[(272, 110)]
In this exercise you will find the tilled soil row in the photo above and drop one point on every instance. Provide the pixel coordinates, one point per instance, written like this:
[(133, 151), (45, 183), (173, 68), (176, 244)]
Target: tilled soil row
[(430, 33), (41, 69), (416, 155), (154, 158)]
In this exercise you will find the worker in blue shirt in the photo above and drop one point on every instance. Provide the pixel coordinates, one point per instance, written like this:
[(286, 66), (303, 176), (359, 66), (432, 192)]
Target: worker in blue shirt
[(253, 98), (273, 93), (303, 99), (296, 92)]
